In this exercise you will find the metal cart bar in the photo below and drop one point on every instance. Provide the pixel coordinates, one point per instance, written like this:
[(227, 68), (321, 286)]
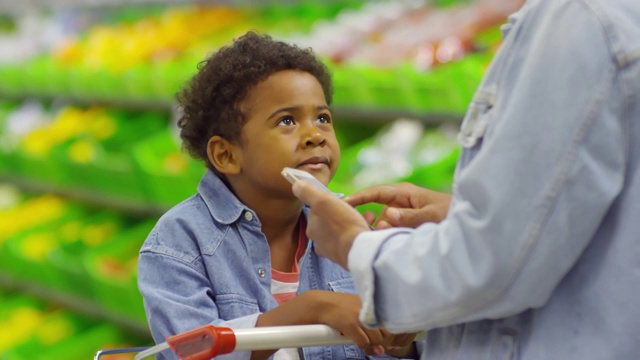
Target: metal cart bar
[(210, 341)]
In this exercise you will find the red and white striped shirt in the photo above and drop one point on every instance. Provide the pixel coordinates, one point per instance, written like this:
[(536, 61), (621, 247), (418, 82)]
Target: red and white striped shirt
[(284, 285)]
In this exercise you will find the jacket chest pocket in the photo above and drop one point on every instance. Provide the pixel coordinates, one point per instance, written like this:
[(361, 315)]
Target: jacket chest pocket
[(474, 125)]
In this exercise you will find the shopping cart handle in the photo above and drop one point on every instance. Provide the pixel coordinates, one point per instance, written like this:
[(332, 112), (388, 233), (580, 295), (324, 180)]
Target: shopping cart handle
[(203, 343), (208, 341)]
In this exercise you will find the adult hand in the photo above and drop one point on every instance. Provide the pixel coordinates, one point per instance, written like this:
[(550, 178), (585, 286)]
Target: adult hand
[(340, 311), (406, 204), (332, 224)]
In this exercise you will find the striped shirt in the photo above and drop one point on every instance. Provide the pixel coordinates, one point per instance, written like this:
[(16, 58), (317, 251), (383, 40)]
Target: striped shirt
[(284, 285)]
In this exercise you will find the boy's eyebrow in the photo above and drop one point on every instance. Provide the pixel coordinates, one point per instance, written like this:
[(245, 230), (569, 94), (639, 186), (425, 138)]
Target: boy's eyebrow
[(293, 108)]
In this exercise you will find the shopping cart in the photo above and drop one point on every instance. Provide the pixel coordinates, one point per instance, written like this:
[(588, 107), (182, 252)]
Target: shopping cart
[(209, 341), (129, 350)]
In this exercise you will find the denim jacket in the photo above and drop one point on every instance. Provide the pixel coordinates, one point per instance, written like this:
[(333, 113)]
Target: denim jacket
[(539, 255), (207, 262)]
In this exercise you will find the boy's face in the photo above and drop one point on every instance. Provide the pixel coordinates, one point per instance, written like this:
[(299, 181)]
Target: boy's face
[(288, 125)]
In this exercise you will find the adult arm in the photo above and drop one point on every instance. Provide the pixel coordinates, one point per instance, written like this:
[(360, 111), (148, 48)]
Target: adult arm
[(524, 207)]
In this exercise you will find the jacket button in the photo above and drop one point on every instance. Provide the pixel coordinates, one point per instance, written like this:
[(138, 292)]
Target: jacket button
[(248, 216), (261, 273)]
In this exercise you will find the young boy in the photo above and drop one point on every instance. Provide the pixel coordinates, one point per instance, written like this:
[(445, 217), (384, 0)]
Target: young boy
[(236, 254)]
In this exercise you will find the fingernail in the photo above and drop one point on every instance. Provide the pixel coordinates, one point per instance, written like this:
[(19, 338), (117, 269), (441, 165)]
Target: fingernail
[(378, 350), (393, 214)]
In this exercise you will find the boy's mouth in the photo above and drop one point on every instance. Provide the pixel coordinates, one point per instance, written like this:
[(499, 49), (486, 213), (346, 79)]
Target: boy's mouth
[(314, 163)]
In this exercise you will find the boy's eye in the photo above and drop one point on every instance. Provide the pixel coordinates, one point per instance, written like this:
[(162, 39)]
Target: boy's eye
[(324, 119), (287, 121)]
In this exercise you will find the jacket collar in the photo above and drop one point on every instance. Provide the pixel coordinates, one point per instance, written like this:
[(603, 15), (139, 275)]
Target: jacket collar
[(223, 205)]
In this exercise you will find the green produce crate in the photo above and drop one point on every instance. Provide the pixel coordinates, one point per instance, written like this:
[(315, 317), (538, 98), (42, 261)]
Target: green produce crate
[(53, 330), (112, 267), (352, 131), (169, 175), (38, 214), (12, 79), (7, 163), (37, 75), (26, 256), (78, 237), (111, 85), (138, 83), (350, 87), (170, 76), (391, 88), (85, 82), (84, 345), (433, 91), (111, 174), (39, 169), (19, 318), (100, 160)]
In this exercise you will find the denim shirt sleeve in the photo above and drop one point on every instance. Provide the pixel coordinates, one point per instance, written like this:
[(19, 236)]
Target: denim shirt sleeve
[(170, 311), (543, 159)]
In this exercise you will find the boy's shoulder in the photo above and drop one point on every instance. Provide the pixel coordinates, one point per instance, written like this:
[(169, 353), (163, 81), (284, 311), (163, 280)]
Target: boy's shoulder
[(183, 228)]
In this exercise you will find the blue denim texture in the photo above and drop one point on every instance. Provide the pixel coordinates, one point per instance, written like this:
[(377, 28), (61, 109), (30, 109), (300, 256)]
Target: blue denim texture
[(201, 264), (539, 255)]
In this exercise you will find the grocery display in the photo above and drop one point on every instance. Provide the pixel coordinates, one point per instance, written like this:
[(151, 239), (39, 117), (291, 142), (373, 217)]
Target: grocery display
[(90, 156)]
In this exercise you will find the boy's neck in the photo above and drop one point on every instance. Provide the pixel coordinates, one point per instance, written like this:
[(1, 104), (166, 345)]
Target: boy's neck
[(278, 225), (279, 217)]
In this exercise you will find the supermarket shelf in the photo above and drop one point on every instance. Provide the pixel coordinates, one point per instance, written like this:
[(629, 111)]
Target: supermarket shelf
[(83, 306), (17, 7), (88, 196), (124, 103), (383, 115), (351, 113)]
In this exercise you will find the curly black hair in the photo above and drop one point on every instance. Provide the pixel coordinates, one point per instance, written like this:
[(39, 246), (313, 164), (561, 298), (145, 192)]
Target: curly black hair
[(210, 101)]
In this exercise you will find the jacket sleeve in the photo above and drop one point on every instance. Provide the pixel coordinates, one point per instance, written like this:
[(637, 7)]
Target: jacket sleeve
[(178, 298), (544, 160)]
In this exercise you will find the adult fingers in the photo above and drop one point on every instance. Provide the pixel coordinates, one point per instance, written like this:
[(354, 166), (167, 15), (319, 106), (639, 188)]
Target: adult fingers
[(369, 217), (360, 338), (378, 340), (410, 217), (381, 225), (381, 194), (401, 340)]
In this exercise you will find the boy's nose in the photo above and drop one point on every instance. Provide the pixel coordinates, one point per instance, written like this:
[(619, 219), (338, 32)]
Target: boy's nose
[(313, 137)]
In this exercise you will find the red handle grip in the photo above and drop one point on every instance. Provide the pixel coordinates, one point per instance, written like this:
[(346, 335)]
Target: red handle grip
[(203, 343)]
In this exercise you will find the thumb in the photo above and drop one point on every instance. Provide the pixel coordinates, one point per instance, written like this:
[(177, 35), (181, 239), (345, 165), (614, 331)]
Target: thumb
[(406, 217), (307, 193)]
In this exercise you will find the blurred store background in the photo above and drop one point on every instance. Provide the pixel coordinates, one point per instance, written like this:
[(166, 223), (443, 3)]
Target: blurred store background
[(89, 152)]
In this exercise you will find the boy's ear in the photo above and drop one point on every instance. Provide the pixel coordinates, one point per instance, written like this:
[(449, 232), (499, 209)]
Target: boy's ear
[(223, 155)]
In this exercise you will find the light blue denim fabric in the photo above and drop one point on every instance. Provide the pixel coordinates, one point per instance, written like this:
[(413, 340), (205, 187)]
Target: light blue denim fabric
[(202, 264), (539, 255)]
